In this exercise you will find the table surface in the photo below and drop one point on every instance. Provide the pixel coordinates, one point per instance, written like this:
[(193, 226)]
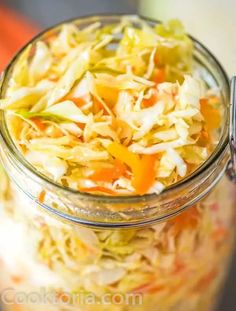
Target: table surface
[(41, 12)]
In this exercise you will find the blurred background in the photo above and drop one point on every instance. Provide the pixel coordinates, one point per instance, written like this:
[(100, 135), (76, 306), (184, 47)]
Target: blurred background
[(212, 22)]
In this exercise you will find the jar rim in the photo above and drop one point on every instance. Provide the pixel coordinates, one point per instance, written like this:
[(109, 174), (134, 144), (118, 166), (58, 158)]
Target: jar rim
[(5, 136)]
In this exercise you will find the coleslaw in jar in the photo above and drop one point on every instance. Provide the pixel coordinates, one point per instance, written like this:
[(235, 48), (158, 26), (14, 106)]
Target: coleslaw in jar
[(114, 139)]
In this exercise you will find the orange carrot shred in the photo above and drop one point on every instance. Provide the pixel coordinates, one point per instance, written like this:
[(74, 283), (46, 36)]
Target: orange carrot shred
[(159, 75), (99, 107), (80, 101), (206, 280), (150, 101), (41, 197), (16, 279), (220, 234), (107, 93), (143, 169), (211, 115), (149, 288), (187, 220), (109, 174), (80, 125), (145, 175), (39, 123)]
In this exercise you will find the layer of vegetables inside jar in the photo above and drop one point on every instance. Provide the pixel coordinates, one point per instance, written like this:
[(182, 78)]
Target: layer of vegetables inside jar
[(113, 110)]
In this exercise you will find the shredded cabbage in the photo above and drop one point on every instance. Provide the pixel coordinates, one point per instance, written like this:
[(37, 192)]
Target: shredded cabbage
[(122, 94)]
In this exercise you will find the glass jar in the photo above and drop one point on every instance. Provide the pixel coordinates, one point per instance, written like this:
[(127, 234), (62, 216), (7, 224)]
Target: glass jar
[(65, 250)]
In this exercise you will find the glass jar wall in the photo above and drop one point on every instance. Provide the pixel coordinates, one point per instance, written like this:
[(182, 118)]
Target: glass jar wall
[(63, 250), (176, 264)]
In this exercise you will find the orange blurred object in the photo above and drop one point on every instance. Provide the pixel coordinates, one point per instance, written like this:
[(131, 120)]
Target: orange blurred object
[(15, 31)]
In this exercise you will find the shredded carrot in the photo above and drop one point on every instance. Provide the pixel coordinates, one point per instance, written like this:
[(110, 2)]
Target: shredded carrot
[(151, 101), (17, 307), (80, 101), (204, 139), (107, 93), (211, 115), (53, 79), (118, 299), (187, 220), (206, 280), (98, 189), (149, 288), (122, 153), (159, 75), (39, 123), (179, 267), (220, 234), (109, 174), (215, 207), (16, 279), (63, 297), (97, 105), (41, 196), (145, 175), (80, 125), (143, 169)]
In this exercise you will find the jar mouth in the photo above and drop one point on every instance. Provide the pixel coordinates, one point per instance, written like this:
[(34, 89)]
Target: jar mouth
[(218, 151)]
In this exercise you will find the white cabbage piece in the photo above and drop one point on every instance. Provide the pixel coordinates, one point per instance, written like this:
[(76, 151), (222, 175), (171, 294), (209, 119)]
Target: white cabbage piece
[(41, 62), (160, 147), (85, 153), (65, 40), (157, 188), (182, 129), (45, 85), (169, 161), (71, 128), (51, 164), (24, 97), (151, 65), (73, 73), (194, 154), (59, 68), (108, 276), (93, 129), (103, 42), (166, 166), (185, 113), (88, 237), (181, 166), (61, 141), (190, 93), (82, 153), (20, 74), (82, 89), (123, 183), (141, 121), (67, 110), (123, 82), (166, 135)]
